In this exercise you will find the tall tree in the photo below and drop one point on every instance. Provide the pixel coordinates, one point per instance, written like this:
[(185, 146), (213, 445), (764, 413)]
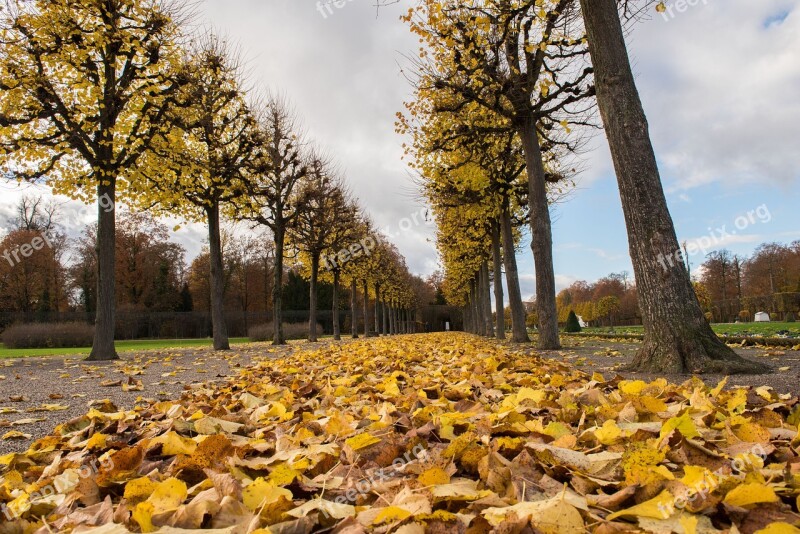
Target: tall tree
[(273, 196), (83, 87), (678, 338), (213, 149)]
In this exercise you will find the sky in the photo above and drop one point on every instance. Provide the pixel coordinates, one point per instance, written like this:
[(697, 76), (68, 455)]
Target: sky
[(719, 82)]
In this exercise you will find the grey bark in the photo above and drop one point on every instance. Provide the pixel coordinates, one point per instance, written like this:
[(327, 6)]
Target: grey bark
[(354, 308), (218, 326), (519, 330), (678, 339), (277, 287), (486, 299), (103, 343), (312, 312), (541, 238), (499, 301), (337, 334)]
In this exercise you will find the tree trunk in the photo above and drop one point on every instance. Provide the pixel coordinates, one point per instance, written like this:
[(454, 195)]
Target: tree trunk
[(479, 324), (277, 287), (337, 334), (385, 316), (519, 330), (312, 311), (678, 339), (103, 343), (541, 238), (499, 303), (218, 326), (367, 319), (486, 299), (378, 321), (354, 308)]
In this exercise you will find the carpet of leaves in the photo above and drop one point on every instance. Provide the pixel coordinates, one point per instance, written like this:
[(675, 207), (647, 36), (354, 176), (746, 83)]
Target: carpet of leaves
[(438, 433)]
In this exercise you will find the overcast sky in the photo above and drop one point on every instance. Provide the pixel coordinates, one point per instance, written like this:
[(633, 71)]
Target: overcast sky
[(719, 81)]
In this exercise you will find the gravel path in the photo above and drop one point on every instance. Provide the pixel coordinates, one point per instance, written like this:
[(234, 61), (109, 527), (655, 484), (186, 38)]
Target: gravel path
[(36, 394), (606, 357)]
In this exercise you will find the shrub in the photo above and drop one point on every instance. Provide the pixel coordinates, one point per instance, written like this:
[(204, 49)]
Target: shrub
[(48, 336), (774, 317), (573, 325), (264, 332), (790, 318)]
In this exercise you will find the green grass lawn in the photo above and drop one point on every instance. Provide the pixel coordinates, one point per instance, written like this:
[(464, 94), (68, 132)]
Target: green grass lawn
[(122, 346), (745, 329)]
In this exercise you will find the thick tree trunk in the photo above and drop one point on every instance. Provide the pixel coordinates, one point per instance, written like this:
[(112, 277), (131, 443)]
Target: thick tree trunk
[(312, 311), (218, 326), (277, 287), (354, 308), (541, 238), (678, 339), (103, 344), (368, 320), (499, 302), (337, 334), (519, 330)]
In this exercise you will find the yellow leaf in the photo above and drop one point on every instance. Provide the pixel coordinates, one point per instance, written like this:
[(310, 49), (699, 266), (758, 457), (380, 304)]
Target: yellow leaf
[(262, 493), (779, 528), (433, 477), (139, 490), (682, 424), (609, 433), (749, 494), (390, 514), (660, 507), (173, 444), (361, 441)]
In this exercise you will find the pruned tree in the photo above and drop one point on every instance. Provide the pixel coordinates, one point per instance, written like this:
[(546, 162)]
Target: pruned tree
[(84, 88), (678, 338), (273, 194), (213, 150)]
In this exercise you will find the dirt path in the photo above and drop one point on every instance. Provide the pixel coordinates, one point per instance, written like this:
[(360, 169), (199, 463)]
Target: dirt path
[(606, 357), (37, 394)]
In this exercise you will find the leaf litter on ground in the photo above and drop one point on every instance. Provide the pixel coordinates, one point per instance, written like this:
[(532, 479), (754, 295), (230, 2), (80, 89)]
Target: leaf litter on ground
[(412, 434)]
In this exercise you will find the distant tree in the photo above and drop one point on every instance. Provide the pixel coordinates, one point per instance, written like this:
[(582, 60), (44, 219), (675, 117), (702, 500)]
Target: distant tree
[(149, 268), (607, 307)]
